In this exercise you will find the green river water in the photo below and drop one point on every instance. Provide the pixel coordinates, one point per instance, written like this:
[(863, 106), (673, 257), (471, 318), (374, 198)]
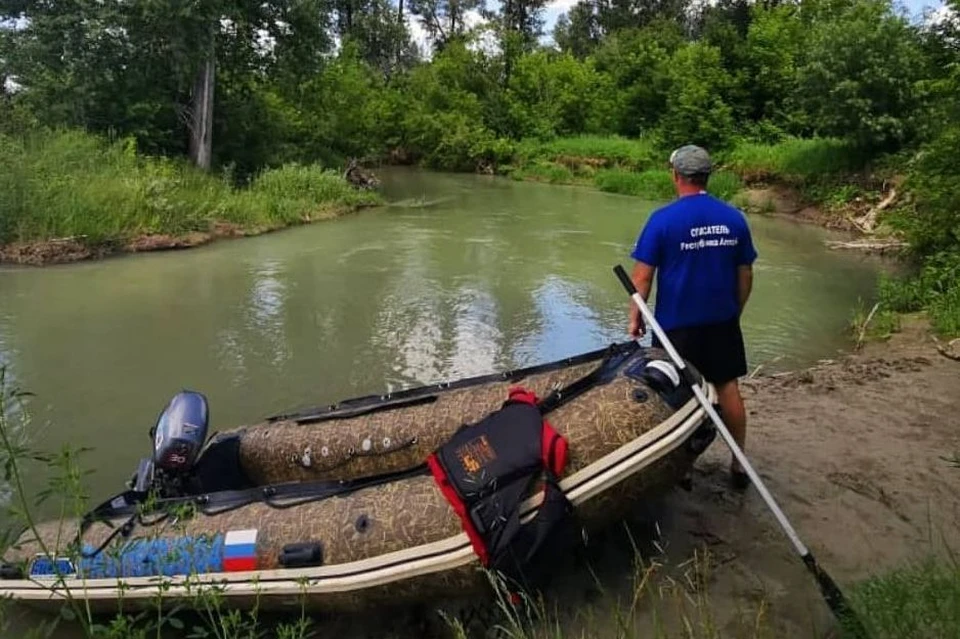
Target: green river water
[(461, 275)]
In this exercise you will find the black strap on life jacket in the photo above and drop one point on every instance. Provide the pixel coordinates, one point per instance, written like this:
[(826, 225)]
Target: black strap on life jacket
[(486, 470)]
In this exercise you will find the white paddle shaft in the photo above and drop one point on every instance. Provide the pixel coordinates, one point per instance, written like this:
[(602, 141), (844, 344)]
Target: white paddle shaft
[(651, 321)]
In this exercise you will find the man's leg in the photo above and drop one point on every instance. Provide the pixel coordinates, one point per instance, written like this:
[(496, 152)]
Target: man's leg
[(734, 415)]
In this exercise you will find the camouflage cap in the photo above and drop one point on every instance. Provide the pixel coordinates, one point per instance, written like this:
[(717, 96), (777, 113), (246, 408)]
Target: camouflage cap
[(691, 160)]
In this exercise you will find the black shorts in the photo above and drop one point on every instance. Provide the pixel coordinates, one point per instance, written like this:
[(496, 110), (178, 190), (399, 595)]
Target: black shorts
[(716, 350)]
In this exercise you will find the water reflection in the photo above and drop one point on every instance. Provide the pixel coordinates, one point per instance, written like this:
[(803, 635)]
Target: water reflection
[(266, 310), (563, 324)]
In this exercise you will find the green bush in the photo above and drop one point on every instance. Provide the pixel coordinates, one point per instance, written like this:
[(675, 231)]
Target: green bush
[(860, 78), (696, 111), (651, 185), (544, 172), (724, 184), (933, 223)]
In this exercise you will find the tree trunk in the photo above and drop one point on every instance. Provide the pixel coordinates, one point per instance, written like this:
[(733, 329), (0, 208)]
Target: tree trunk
[(201, 123)]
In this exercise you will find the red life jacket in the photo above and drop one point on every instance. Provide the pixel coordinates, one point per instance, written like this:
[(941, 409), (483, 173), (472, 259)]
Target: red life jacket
[(486, 471)]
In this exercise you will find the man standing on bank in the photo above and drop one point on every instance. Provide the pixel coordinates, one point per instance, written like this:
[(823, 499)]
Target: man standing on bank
[(703, 254)]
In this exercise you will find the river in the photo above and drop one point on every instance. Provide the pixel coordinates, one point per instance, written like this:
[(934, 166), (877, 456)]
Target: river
[(460, 275)]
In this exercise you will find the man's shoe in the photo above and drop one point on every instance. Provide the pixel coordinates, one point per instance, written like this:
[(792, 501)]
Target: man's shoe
[(739, 479)]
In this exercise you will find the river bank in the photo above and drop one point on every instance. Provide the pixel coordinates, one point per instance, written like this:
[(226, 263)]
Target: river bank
[(68, 250), (71, 196), (857, 451), (103, 198)]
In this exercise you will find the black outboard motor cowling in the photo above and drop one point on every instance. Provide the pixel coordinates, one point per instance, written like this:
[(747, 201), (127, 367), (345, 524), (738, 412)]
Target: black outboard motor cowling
[(180, 433)]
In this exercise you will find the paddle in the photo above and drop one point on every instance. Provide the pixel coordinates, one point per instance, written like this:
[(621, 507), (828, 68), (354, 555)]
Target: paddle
[(828, 588)]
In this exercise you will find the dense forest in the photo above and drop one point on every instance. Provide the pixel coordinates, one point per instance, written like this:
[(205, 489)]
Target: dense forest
[(318, 80), (813, 87)]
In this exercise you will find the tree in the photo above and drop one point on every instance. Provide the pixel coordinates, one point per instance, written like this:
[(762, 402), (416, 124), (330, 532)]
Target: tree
[(445, 20), (637, 61), (578, 32), (523, 18), (695, 111), (859, 79), (774, 53), (379, 32), (148, 68)]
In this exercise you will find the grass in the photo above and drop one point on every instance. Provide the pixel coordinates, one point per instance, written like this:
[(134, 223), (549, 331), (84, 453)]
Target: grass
[(543, 171), (797, 161), (878, 323), (934, 288), (920, 601), (617, 165), (657, 185), (659, 602), (70, 184), (591, 151), (651, 184)]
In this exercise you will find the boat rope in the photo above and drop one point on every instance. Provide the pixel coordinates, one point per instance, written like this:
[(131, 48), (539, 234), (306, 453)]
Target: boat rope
[(427, 394)]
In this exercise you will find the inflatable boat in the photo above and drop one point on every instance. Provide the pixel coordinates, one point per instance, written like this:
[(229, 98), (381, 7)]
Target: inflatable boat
[(401, 497)]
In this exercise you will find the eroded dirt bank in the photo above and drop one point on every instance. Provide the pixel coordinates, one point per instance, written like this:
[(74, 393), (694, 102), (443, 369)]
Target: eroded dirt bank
[(68, 250)]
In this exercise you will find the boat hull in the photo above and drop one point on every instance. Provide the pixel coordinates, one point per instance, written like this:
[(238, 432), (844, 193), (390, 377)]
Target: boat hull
[(399, 541)]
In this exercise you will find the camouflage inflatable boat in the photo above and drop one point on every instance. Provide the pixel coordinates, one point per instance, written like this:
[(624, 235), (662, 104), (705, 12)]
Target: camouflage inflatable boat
[(392, 498)]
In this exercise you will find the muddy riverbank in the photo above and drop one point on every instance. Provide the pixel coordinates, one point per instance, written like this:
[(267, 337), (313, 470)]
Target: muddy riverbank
[(68, 250)]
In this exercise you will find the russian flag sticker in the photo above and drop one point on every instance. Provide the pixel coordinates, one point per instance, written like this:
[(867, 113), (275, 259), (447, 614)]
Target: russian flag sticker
[(240, 550)]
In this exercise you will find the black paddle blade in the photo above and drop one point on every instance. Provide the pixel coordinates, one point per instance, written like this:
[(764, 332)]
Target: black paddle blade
[(849, 621)]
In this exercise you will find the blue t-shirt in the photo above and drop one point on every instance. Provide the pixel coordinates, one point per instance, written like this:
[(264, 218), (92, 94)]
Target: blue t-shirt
[(696, 243)]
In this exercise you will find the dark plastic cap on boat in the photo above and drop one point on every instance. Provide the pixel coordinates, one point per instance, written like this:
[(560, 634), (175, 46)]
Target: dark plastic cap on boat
[(300, 555), (10, 571)]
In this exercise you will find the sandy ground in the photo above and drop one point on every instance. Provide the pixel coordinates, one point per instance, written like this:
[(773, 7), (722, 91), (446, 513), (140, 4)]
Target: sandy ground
[(854, 452)]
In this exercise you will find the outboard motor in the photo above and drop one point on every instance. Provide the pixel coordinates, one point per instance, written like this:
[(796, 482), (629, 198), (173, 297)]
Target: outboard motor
[(178, 438), (180, 433)]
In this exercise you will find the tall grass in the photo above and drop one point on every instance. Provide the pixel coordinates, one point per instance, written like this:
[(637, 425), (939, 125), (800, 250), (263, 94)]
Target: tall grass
[(73, 184), (597, 151), (918, 601), (657, 185), (794, 160), (934, 288), (542, 171), (651, 184), (659, 603), (613, 164)]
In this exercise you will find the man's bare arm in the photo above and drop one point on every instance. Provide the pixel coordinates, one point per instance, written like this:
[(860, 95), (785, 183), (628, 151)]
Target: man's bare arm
[(642, 277), (744, 284)]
